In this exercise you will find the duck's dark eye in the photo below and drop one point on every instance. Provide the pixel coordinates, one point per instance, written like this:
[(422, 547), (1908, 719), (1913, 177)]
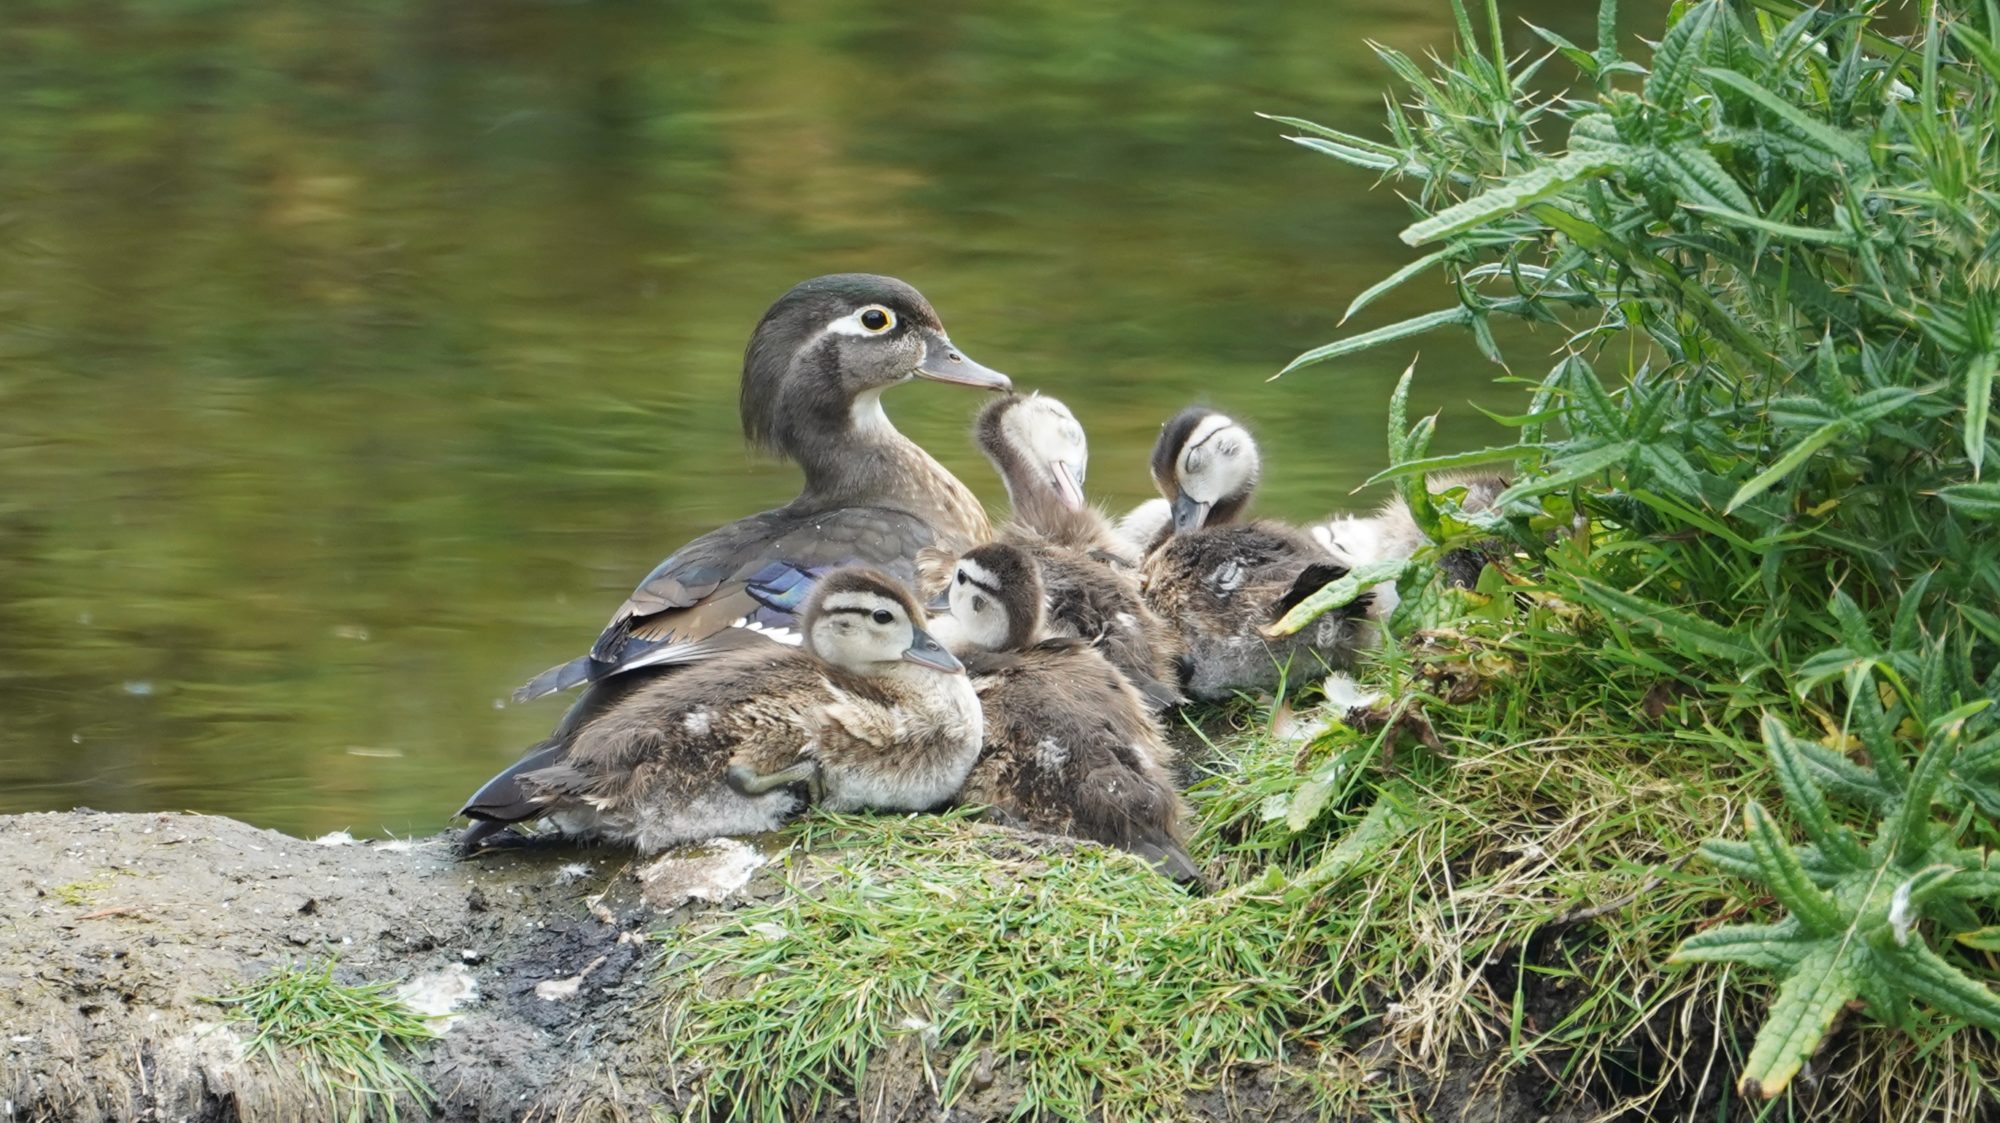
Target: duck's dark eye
[(962, 578), (876, 319), (883, 616)]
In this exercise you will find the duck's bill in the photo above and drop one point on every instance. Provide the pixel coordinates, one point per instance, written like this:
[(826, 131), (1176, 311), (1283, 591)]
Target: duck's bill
[(926, 651), (945, 363), (1189, 513), (1069, 485), (940, 602)]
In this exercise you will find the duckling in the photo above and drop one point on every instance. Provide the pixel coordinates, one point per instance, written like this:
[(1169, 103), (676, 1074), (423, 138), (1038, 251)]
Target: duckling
[(1222, 581), (1069, 746), (1392, 533), (813, 377), (1088, 574), (869, 712)]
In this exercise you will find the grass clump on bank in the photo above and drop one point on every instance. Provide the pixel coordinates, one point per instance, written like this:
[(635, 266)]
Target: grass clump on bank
[(973, 949), (1706, 761), (348, 1041)]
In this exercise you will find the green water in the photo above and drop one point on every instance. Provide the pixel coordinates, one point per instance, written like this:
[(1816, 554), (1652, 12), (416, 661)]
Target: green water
[(355, 359)]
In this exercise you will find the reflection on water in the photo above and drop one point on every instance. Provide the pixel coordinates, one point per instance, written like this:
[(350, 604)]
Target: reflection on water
[(355, 359)]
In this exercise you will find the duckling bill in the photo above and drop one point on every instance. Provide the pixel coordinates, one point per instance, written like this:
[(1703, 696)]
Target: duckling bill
[(869, 712)]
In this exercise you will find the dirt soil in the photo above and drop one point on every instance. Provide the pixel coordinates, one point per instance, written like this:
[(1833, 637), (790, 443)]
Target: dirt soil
[(119, 928)]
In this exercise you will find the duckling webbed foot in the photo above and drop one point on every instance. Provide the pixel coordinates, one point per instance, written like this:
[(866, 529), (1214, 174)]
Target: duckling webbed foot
[(747, 781)]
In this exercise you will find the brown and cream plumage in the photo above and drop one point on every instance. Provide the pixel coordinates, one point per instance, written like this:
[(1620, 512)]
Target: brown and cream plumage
[(1069, 746), (1222, 582), (869, 712), (1089, 575)]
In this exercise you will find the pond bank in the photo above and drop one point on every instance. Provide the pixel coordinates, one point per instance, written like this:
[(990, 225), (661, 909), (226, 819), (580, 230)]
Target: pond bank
[(123, 928)]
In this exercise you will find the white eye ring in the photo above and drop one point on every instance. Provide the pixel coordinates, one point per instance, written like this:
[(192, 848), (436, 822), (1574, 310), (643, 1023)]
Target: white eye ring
[(874, 319)]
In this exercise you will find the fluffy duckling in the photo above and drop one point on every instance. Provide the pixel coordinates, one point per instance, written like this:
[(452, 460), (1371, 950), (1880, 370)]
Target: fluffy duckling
[(870, 712), (1223, 581), (1392, 533), (1070, 748), (1089, 575)]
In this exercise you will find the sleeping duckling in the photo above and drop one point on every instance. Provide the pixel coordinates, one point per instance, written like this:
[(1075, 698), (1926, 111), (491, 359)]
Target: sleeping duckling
[(1089, 576), (870, 711), (1222, 581), (1070, 748), (1392, 533)]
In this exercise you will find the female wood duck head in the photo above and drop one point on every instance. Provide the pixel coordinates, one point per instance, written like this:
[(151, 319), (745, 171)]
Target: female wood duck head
[(866, 622), (1207, 466), (1037, 447), (996, 598), (822, 355)]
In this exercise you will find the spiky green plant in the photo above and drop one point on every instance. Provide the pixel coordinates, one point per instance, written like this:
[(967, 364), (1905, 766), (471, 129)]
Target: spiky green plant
[(1854, 910), (1754, 477)]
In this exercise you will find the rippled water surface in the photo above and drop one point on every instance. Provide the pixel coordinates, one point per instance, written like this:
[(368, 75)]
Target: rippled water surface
[(356, 358)]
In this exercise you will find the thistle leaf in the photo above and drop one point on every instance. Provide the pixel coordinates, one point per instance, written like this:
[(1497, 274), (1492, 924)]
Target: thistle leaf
[(1681, 51), (1415, 325), (1824, 980), (1785, 465), (1681, 629), (1794, 123), (1338, 594), (1978, 406), (1512, 195)]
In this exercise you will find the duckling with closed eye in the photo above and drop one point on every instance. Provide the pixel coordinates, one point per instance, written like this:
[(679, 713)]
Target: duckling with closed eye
[(813, 377), (870, 712), (1089, 575), (1070, 747), (1224, 581)]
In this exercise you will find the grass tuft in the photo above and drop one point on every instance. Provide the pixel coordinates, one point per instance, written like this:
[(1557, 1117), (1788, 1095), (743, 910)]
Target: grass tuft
[(348, 1040)]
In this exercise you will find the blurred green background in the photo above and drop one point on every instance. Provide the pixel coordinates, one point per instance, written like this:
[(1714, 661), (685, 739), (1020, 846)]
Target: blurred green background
[(355, 359)]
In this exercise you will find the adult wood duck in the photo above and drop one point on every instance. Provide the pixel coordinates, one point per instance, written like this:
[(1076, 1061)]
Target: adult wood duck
[(1069, 747), (1088, 573), (870, 712), (1224, 581), (813, 377)]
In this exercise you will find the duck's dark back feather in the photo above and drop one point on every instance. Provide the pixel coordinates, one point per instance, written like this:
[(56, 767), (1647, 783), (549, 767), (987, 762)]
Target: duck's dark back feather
[(739, 585)]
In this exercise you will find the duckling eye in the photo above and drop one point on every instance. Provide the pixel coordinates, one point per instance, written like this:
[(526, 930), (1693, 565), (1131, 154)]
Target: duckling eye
[(882, 616), (962, 579), (877, 319)]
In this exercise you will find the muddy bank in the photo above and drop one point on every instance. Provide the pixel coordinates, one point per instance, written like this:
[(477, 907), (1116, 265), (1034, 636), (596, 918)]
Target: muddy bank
[(120, 929)]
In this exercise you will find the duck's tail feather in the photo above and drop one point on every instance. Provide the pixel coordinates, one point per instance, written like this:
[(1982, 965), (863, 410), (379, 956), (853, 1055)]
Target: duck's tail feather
[(1310, 580), (501, 801), (562, 676), (1167, 856)]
